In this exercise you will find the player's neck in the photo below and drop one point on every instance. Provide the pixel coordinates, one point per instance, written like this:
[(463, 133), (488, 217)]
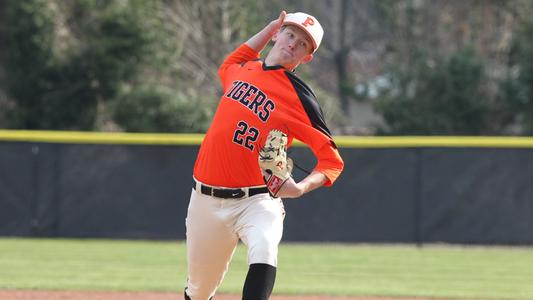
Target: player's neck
[(271, 61)]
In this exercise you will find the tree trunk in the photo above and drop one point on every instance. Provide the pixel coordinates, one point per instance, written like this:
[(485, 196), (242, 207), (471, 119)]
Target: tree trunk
[(341, 59)]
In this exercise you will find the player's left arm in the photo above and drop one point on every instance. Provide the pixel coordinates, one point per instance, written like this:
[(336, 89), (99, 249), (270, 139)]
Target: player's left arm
[(328, 168), (309, 126), (293, 189)]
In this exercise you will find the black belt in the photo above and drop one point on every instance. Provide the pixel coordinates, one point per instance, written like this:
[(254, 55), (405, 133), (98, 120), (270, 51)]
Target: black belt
[(229, 193)]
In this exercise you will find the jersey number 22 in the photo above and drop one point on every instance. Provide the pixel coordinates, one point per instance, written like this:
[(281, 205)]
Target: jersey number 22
[(245, 135)]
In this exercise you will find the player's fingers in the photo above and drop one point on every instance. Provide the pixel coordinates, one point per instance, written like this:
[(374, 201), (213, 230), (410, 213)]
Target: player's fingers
[(282, 17), (290, 164)]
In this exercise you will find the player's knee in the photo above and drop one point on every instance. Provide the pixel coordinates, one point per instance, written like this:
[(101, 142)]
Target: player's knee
[(263, 251)]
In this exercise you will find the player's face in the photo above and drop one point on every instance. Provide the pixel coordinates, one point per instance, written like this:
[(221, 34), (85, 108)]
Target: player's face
[(291, 48)]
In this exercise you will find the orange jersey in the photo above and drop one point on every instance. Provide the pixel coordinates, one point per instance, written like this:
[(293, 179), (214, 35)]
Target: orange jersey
[(258, 98)]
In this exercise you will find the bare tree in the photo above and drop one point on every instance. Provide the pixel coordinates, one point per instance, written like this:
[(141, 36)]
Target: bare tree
[(207, 31)]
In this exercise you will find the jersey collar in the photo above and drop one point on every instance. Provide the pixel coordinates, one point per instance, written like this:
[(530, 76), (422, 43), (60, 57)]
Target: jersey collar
[(269, 68)]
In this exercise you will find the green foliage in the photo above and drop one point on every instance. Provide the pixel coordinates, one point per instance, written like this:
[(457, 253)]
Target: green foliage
[(116, 44), (157, 108), (515, 91), (525, 79), (28, 58), (55, 92), (63, 62), (58, 81), (495, 103), (436, 96)]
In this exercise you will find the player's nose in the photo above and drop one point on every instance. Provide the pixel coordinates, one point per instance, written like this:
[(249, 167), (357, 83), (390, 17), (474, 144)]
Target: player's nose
[(292, 44)]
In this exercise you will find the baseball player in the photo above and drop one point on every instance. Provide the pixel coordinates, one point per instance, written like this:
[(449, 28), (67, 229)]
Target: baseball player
[(242, 172)]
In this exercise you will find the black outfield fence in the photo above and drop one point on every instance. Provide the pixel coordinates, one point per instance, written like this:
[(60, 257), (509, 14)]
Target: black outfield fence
[(468, 190)]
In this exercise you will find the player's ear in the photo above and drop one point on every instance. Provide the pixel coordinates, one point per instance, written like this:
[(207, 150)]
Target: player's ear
[(307, 58)]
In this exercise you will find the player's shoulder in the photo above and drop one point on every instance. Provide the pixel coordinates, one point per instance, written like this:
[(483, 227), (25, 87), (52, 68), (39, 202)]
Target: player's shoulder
[(302, 89), (252, 64), (309, 102), (244, 68)]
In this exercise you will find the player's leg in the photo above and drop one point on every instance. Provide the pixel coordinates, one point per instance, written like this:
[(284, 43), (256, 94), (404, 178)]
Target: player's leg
[(261, 229), (210, 246), (259, 282)]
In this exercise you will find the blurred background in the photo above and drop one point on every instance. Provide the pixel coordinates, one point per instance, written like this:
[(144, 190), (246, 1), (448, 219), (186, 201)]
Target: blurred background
[(385, 67), (105, 79)]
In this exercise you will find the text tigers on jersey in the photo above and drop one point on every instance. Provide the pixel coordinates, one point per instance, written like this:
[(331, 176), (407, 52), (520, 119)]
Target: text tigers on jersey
[(253, 98)]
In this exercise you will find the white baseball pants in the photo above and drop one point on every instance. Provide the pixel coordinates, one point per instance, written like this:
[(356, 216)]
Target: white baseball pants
[(214, 227)]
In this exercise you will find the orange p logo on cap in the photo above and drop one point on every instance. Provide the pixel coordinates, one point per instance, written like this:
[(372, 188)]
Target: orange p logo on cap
[(308, 21)]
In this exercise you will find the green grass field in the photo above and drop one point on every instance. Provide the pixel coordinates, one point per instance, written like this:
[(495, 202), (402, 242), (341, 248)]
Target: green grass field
[(327, 269)]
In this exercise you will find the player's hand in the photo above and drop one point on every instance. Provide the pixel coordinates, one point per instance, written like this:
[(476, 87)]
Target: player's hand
[(275, 25), (263, 37)]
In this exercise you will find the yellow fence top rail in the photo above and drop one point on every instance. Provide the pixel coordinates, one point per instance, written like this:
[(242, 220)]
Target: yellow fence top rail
[(79, 137), (434, 141)]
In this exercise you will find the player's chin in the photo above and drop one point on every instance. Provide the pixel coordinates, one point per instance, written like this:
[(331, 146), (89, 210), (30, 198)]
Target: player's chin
[(285, 56)]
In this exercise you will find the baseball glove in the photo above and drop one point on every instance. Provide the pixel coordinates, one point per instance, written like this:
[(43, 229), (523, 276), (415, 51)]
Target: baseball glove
[(273, 161)]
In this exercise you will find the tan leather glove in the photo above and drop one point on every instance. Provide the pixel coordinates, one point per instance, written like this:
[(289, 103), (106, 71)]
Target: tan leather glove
[(273, 161)]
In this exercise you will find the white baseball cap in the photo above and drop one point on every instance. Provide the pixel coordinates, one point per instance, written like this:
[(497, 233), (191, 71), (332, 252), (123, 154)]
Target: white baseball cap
[(308, 24)]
